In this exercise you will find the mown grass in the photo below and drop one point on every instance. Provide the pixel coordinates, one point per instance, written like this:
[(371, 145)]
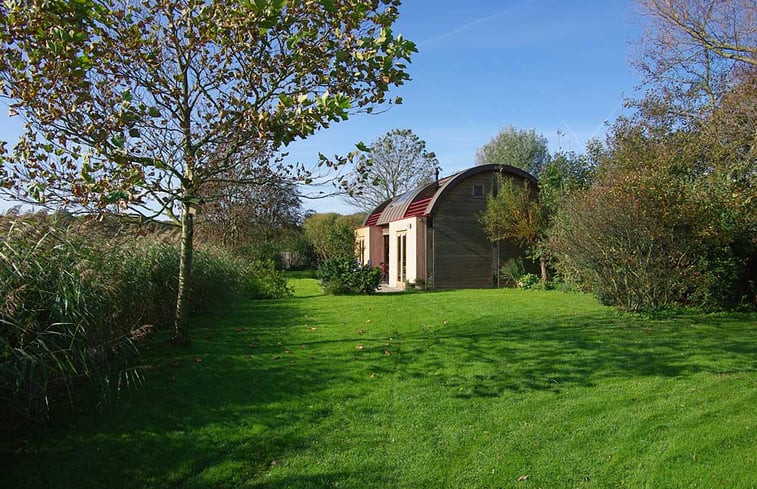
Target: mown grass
[(458, 389)]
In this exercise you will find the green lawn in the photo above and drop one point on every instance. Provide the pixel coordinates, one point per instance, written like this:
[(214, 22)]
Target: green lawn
[(458, 389)]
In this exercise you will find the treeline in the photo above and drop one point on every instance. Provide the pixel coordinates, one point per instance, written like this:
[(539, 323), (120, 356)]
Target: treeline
[(662, 213)]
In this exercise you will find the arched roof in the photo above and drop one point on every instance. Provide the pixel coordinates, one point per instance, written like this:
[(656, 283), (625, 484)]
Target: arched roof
[(423, 201)]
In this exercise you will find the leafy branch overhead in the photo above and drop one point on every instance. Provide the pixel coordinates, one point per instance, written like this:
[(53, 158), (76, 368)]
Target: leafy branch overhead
[(143, 103)]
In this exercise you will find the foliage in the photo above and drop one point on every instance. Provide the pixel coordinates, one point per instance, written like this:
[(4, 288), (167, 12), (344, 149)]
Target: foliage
[(76, 297), (670, 219), (332, 235), (564, 174), (266, 282), (394, 164), (516, 213), (283, 384), (148, 105), (512, 271), (260, 220), (515, 147), (528, 281), (340, 276)]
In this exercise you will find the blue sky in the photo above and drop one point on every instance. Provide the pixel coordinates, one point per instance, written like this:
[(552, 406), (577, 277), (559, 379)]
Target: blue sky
[(482, 65)]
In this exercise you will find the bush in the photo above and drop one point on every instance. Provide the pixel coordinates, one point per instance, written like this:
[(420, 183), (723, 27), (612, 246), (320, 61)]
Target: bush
[(264, 281), (512, 271), (344, 275), (528, 281)]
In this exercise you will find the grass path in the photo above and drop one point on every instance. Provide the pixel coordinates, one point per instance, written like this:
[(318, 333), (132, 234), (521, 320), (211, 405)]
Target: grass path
[(458, 389)]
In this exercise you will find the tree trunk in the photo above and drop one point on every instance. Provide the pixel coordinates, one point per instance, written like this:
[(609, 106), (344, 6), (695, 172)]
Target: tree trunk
[(180, 329), (543, 265)]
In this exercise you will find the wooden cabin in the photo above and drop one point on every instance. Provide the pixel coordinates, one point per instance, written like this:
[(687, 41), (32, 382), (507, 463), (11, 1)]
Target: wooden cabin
[(431, 236)]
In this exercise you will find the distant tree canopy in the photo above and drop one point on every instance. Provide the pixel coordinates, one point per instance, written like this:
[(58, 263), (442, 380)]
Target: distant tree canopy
[(520, 148), (394, 163), (332, 235)]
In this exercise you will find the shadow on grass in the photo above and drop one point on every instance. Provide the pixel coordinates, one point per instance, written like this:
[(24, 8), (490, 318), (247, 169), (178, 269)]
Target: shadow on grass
[(573, 351), (233, 408)]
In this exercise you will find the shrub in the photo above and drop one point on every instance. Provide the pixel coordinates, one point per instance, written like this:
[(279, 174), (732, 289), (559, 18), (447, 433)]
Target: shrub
[(344, 275), (512, 271), (264, 281), (528, 281)]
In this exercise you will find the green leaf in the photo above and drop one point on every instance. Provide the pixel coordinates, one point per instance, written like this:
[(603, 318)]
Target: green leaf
[(115, 196), (362, 147), (134, 133), (328, 5), (118, 140), (154, 112)]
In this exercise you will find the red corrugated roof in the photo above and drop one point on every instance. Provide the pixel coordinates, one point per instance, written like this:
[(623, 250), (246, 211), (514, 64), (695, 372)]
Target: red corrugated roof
[(417, 208), (373, 219)]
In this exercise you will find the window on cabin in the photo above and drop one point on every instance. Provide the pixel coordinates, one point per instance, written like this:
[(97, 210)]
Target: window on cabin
[(478, 190)]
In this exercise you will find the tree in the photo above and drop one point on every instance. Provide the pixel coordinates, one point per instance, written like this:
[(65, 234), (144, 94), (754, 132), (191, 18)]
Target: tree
[(516, 213), (260, 221), (525, 214), (138, 107), (515, 147), (692, 47), (394, 163), (332, 235)]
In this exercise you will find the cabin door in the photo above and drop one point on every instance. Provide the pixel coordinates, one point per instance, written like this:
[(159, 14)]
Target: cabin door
[(385, 262), (401, 259)]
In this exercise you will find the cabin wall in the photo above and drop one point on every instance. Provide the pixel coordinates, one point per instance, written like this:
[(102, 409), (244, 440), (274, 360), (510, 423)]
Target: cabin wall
[(372, 251), (463, 256)]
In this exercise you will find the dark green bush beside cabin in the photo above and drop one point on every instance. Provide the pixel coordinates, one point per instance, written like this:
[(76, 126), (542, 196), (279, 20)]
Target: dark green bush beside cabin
[(342, 276)]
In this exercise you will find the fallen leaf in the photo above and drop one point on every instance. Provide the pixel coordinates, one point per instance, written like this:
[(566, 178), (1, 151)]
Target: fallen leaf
[(360, 331), (312, 328), (274, 462), (522, 478), (288, 352), (239, 329), (275, 357), (367, 320), (387, 352), (373, 376), (198, 360), (250, 345), (360, 347), (303, 346), (172, 379), (444, 323), (175, 363)]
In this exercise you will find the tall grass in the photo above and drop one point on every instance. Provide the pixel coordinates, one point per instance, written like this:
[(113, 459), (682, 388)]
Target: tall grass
[(75, 299)]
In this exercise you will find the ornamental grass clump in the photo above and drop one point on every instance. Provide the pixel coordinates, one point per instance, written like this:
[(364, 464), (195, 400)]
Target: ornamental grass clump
[(76, 297)]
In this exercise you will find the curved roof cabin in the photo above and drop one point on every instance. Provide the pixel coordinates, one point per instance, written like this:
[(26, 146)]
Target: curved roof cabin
[(431, 235)]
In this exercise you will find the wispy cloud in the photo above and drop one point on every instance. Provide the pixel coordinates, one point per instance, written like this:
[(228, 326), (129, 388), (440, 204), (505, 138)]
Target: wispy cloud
[(468, 25)]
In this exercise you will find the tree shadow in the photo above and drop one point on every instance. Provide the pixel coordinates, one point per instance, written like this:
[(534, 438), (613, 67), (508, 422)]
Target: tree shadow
[(230, 409)]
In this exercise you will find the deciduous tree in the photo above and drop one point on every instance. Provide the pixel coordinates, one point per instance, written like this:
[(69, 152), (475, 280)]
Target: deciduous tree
[(394, 163), (515, 147), (139, 106), (692, 47)]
